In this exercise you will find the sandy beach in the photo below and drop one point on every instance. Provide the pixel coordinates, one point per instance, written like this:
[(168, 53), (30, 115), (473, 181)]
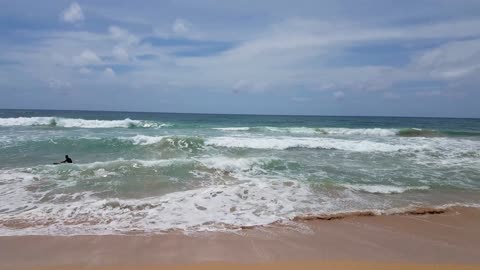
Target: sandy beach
[(448, 240)]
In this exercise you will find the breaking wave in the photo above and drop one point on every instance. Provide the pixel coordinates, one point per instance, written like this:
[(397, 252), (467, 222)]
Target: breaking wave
[(79, 123), (276, 143), (40, 200), (169, 142), (406, 132), (317, 131), (436, 147), (282, 143), (252, 202), (383, 189)]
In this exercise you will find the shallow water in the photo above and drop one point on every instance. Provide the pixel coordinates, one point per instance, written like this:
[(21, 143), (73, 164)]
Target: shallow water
[(154, 172)]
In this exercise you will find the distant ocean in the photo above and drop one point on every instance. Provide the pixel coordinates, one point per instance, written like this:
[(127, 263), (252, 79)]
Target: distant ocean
[(156, 172)]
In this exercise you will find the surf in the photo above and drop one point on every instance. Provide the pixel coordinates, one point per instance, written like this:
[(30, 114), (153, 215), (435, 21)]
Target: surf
[(382, 132), (79, 123)]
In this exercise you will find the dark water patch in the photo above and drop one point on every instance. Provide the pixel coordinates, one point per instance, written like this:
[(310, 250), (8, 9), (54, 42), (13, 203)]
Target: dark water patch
[(417, 132), (408, 211), (460, 133)]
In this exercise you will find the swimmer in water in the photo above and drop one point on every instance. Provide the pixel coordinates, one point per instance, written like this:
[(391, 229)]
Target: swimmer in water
[(67, 160)]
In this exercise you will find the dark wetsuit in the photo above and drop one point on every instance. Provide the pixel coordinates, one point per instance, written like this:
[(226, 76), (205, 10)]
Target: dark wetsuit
[(67, 160)]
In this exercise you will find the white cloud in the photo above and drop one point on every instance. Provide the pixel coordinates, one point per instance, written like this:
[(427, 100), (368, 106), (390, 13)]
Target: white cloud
[(452, 60), (57, 84), (459, 72), (306, 36), (120, 54), (286, 56), (293, 53), (185, 29), (73, 13), (122, 35), (87, 57), (180, 27), (109, 72)]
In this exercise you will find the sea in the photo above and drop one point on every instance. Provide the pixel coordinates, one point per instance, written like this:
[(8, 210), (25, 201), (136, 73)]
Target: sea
[(153, 173)]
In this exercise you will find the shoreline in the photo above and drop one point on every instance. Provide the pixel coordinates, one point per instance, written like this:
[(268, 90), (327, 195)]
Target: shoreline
[(427, 239), (19, 224)]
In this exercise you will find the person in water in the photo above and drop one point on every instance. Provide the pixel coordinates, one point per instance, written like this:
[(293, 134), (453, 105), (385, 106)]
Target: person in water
[(67, 160)]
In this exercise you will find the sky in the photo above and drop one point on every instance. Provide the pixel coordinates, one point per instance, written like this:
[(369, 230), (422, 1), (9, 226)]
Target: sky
[(358, 57)]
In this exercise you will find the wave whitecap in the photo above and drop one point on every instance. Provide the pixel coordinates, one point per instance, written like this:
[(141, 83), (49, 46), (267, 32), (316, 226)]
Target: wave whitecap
[(79, 123), (249, 203), (313, 131), (275, 143), (404, 132), (188, 143), (271, 142), (282, 143), (383, 189)]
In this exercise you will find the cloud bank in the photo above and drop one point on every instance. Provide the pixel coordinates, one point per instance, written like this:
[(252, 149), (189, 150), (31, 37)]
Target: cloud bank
[(268, 57)]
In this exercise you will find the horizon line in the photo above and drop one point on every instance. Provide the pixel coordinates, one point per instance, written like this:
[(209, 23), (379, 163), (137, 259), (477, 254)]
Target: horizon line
[(246, 114)]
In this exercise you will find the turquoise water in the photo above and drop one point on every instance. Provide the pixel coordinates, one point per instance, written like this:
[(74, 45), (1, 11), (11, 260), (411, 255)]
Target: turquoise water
[(154, 172)]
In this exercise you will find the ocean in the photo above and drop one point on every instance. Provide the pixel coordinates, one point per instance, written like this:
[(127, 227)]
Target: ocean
[(152, 173)]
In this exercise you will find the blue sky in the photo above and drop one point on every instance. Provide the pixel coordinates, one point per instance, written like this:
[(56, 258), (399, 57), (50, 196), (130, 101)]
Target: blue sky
[(406, 58)]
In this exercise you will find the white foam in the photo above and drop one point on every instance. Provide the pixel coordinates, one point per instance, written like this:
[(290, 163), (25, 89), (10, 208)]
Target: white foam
[(302, 130), (119, 162), (82, 123), (233, 128), (78, 123), (6, 141), (293, 130), (247, 201), (11, 175), (284, 142), (250, 202), (319, 131), (360, 131), (26, 121), (234, 164), (185, 143), (144, 139), (383, 189), (13, 193)]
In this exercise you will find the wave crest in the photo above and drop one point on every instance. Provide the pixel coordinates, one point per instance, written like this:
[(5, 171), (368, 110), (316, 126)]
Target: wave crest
[(384, 132), (79, 123), (169, 142), (383, 189), (282, 143), (317, 131)]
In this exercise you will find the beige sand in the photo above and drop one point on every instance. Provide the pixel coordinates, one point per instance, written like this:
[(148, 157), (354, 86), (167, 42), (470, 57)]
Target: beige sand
[(356, 242), (288, 266)]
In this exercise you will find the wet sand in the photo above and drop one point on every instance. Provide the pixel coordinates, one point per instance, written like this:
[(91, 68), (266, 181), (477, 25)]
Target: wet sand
[(449, 240)]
